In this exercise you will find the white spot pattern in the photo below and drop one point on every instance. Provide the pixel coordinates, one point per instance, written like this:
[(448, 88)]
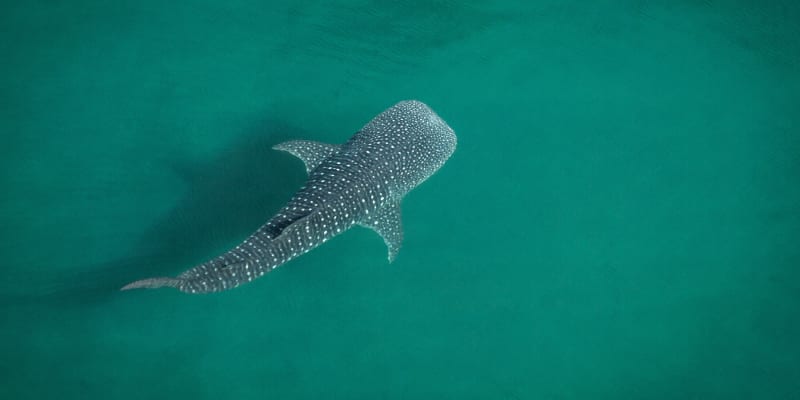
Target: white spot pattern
[(360, 182)]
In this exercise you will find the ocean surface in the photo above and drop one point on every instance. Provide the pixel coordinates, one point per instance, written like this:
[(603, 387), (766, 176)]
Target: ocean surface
[(620, 220)]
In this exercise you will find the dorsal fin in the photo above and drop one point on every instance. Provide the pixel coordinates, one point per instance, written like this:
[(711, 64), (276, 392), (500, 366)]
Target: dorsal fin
[(387, 223), (312, 153)]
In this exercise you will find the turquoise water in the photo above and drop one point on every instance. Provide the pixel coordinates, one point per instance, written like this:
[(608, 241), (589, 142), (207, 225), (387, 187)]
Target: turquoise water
[(620, 219)]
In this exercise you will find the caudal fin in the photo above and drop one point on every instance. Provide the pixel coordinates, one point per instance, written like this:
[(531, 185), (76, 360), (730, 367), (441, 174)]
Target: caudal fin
[(153, 283)]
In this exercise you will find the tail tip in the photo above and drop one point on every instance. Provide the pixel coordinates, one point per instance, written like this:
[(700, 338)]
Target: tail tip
[(152, 283)]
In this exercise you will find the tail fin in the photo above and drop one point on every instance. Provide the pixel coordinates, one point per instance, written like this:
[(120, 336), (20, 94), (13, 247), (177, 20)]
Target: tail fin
[(153, 283)]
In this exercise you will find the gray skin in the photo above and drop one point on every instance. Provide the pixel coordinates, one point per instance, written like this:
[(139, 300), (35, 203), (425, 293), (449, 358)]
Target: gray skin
[(358, 183)]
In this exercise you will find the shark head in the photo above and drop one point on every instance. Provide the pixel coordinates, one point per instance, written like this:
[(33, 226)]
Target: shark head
[(408, 142), (428, 135)]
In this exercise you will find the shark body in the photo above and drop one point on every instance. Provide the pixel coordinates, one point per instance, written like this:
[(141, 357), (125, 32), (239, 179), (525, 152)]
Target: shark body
[(360, 182)]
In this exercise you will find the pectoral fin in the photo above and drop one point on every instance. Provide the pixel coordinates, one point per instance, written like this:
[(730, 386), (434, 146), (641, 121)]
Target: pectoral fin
[(388, 224), (312, 153)]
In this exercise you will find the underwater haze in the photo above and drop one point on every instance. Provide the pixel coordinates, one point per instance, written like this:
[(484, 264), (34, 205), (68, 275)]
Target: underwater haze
[(620, 220)]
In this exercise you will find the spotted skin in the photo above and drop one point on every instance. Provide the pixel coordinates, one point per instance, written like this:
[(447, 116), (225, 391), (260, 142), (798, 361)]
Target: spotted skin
[(358, 183)]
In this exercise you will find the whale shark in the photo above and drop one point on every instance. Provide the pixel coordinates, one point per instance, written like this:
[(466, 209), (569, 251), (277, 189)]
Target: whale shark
[(358, 183)]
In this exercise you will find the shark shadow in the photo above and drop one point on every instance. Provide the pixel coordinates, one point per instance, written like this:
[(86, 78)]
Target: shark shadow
[(226, 197)]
